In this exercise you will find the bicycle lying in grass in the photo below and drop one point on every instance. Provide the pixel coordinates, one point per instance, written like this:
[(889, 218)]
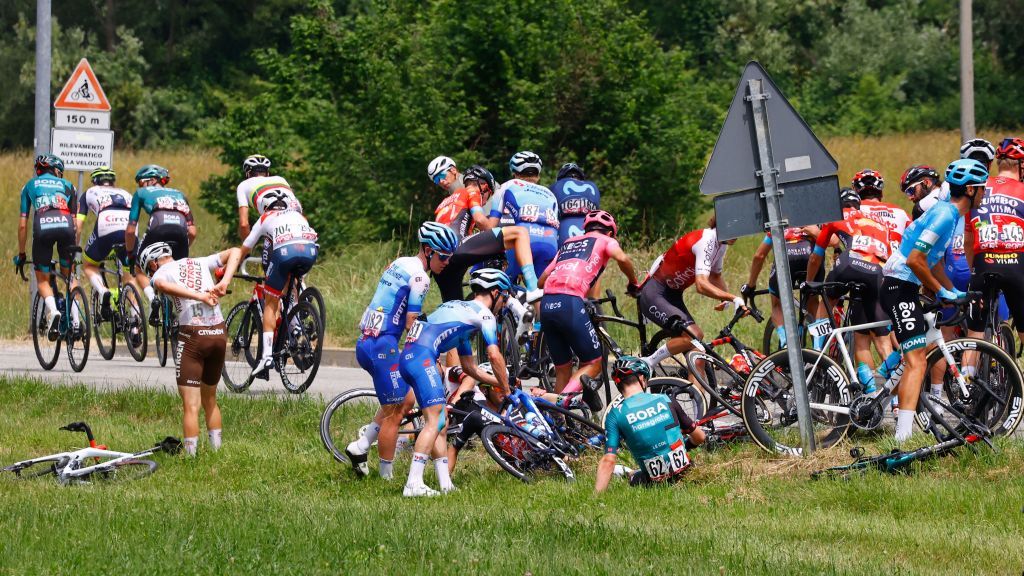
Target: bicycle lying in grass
[(107, 465), (896, 461)]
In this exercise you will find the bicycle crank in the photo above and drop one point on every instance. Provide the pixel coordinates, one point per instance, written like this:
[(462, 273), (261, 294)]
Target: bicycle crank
[(866, 412)]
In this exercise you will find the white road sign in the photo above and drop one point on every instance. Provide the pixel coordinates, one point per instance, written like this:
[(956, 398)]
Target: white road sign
[(83, 149), (90, 119)]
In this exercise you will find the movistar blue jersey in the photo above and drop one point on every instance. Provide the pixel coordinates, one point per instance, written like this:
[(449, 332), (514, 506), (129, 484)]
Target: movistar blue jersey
[(453, 325), (957, 268), (400, 291), (932, 233), (575, 199)]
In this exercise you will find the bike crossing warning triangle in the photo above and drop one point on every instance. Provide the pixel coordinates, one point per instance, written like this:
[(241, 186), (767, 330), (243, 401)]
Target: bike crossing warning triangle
[(82, 91)]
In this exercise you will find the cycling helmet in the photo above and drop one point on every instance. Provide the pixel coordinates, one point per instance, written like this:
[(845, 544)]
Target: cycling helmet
[(151, 171), (600, 219), (963, 173), (978, 149), (522, 161), (916, 173), (849, 198), (272, 200), (439, 166), (438, 237), (477, 173), (568, 169), (255, 162), (629, 366), (490, 279), (153, 253), (49, 163), (103, 174), (1011, 149), (868, 180)]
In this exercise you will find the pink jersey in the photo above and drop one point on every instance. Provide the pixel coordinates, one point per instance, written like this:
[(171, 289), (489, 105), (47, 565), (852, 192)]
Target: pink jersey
[(579, 262)]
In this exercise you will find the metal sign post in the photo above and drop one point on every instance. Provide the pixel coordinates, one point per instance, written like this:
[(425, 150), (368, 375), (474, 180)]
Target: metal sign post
[(777, 224)]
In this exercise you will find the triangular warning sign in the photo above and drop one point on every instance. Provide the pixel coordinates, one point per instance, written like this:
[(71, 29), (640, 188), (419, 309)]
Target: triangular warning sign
[(82, 91), (734, 163)]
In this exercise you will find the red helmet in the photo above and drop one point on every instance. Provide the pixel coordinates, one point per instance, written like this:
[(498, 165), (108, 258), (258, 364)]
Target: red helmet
[(1011, 148), (600, 218), (868, 179)]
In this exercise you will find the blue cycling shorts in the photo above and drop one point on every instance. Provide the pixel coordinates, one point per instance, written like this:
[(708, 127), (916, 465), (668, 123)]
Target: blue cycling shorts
[(287, 261), (379, 357), (418, 367), (543, 247), (568, 330)]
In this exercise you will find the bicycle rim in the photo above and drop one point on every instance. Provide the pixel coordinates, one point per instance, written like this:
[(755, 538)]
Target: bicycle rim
[(303, 348), (44, 467), (682, 391), (124, 471), (994, 396), (769, 403), (312, 295), (1006, 339), (349, 413), (241, 341), (160, 336), (79, 333), (46, 351), (520, 454), (720, 383), (576, 430), (133, 322), (106, 338)]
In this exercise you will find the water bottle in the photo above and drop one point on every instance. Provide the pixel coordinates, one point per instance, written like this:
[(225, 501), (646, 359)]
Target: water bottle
[(740, 365), (532, 424), (596, 441), (891, 362)]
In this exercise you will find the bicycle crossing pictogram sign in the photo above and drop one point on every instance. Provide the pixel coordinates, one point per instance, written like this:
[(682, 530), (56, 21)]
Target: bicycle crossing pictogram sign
[(82, 91)]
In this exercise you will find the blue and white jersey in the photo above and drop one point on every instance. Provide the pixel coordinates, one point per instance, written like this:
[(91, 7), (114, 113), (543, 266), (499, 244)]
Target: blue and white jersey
[(932, 233), (453, 325), (527, 204), (575, 199), (400, 291)]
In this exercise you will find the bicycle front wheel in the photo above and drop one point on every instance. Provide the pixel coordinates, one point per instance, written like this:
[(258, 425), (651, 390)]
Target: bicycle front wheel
[(46, 350), (994, 394), (522, 455), (79, 333), (123, 471), (300, 355), (161, 339), (106, 337), (769, 406), (578, 433), (133, 322), (244, 329), (349, 413)]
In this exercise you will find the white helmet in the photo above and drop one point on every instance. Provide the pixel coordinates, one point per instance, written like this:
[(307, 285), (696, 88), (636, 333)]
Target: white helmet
[(272, 200), (153, 253), (524, 160), (438, 166), (255, 162), (978, 149)]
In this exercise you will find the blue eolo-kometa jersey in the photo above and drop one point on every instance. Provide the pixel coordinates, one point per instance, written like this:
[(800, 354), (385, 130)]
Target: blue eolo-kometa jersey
[(453, 325), (932, 233), (575, 199), (401, 290)]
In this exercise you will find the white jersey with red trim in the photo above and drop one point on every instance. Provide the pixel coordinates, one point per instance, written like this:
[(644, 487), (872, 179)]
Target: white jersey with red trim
[(698, 253), (250, 190), (893, 217), (283, 228)]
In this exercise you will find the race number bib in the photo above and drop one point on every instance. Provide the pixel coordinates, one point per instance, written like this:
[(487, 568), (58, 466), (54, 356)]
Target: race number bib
[(529, 213), (414, 332), (373, 323), (820, 329), (662, 467)]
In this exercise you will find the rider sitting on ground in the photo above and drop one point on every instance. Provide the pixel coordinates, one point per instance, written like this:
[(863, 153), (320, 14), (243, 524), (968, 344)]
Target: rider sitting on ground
[(481, 408)]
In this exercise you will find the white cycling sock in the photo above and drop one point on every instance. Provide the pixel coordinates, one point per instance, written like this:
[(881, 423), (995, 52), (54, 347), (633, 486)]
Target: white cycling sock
[(937, 390), (74, 315), (369, 437), (659, 355), (215, 438), (268, 345), (51, 305), (97, 284), (419, 462), (190, 444), (904, 424), (387, 469), (444, 479), (150, 294)]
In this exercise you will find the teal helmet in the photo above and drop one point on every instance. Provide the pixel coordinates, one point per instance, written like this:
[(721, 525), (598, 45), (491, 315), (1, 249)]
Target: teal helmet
[(627, 366), (49, 163), (151, 171)]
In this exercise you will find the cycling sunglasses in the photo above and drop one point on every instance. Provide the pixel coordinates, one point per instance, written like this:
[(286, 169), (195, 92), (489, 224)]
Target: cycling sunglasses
[(440, 176), (443, 256)]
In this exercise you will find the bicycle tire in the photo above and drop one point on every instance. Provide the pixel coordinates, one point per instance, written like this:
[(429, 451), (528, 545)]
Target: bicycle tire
[(689, 396), (133, 322), (47, 467), (1006, 339), (241, 335), (996, 398), (303, 348), (77, 300), (123, 471), (768, 403), (578, 433), (312, 295), (520, 454), (161, 339), (348, 412), (40, 338), (717, 377), (103, 329)]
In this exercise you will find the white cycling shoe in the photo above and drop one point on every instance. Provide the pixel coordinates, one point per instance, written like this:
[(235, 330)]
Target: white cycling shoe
[(534, 295), (419, 491), (262, 369)]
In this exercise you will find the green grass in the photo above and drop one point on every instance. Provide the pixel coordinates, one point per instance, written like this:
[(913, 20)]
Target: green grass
[(273, 502)]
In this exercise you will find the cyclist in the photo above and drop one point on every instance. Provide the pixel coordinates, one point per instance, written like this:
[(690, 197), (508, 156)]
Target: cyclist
[(655, 428), (258, 182), (202, 339), (922, 186), (394, 307), (444, 173), (293, 251), (564, 320), (975, 149), (452, 325), (915, 265), (526, 203), (697, 258), (481, 408), (463, 210), (868, 244), (577, 197), (54, 201), (869, 185), (111, 206), (998, 239), (170, 221)]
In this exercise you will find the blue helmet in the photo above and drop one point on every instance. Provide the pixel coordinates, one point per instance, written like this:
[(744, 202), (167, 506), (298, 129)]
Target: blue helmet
[(439, 237), (966, 172), (489, 279)]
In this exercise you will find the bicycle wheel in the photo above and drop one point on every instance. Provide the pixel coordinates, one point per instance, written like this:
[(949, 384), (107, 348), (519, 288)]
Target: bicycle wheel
[(46, 351), (579, 434), (122, 471), (1006, 339), (769, 402), (994, 395), (522, 455), (300, 355), (106, 337), (244, 335), (79, 333), (312, 295), (161, 338), (351, 411), (720, 382), (46, 466), (133, 322), (683, 391)]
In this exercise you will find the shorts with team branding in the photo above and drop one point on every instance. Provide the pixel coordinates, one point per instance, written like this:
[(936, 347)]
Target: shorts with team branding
[(1002, 272), (568, 330), (293, 260), (200, 354), (901, 301), (418, 367), (659, 304), (379, 357), (866, 308), (44, 240), (175, 236)]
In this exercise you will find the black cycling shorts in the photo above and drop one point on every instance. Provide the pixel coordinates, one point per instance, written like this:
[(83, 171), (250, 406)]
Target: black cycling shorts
[(1010, 281), (659, 304), (798, 254), (47, 232), (868, 308), (902, 303), (97, 248), (473, 250), (176, 236)]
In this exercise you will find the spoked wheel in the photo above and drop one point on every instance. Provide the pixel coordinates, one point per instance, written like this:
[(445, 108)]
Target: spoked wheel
[(994, 396), (522, 455), (162, 334), (349, 413), (315, 299), (244, 329), (684, 392), (577, 432), (46, 350), (722, 385), (79, 332), (133, 322), (106, 337), (769, 403), (299, 358), (123, 471), (42, 467)]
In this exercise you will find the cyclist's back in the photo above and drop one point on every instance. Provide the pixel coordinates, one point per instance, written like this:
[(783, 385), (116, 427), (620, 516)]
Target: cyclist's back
[(169, 217), (53, 201), (935, 228), (111, 205), (576, 198), (452, 326), (697, 252), (251, 190), (400, 290), (893, 217), (535, 208), (456, 211), (652, 426)]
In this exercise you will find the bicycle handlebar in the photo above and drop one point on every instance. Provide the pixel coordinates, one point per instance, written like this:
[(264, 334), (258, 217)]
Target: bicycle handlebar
[(608, 299), (961, 305)]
